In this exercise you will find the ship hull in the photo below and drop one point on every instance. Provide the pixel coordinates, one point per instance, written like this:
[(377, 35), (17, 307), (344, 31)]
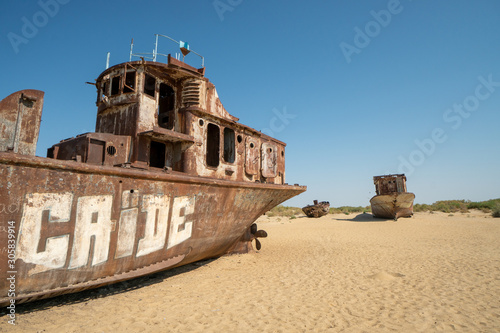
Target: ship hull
[(392, 206), (69, 226), (317, 210)]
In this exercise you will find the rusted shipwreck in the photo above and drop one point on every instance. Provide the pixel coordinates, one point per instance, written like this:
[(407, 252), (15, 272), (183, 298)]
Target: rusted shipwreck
[(317, 210), (168, 178), (392, 200)]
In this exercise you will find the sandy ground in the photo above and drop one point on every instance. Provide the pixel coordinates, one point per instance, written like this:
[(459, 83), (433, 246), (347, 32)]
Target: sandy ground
[(339, 273)]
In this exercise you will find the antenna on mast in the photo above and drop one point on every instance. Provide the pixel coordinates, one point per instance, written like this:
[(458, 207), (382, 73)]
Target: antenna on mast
[(131, 48), (183, 46), (107, 60)]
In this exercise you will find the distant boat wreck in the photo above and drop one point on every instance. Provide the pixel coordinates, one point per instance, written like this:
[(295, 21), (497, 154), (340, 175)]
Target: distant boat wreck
[(318, 209), (392, 200)]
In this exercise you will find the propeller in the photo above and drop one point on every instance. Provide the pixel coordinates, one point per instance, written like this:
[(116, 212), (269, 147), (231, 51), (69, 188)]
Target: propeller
[(255, 234)]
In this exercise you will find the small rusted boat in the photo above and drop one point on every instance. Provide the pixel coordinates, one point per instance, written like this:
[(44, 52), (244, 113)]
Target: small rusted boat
[(168, 178), (392, 200), (318, 209)]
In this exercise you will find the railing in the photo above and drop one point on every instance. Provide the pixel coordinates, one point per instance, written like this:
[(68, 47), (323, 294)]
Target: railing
[(184, 47)]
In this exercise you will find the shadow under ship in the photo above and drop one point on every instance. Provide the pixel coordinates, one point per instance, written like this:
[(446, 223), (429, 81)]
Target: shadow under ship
[(392, 200), (168, 178)]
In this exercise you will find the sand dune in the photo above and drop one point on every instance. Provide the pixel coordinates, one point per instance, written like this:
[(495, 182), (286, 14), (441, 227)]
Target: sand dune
[(338, 273)]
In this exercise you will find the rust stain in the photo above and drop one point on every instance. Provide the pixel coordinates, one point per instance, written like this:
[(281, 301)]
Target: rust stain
[(392, 199), (318, 209), (168, 177)]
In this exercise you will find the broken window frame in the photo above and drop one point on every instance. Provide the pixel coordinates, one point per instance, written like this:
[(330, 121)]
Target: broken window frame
[(104, 89), (126, 71)]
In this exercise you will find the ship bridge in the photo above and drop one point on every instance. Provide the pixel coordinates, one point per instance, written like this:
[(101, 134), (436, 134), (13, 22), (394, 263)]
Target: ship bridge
[(168, 116)]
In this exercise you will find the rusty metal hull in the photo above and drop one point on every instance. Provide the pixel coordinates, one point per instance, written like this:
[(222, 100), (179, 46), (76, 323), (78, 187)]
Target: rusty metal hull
[(317, 210), (76, 226), (393, 205)]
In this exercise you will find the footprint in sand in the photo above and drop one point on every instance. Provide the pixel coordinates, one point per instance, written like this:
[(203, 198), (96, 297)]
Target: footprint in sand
[(385, 276)]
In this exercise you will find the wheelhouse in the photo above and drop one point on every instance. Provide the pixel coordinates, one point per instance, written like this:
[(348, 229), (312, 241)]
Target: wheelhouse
[(168, 117)]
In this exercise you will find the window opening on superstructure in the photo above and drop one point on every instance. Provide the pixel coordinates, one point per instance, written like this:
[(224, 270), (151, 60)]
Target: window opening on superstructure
[(115, 85), (213, 139), (166, 105), (104, 89), (129, 85), (229, 145), (157, 154), (149, 85)]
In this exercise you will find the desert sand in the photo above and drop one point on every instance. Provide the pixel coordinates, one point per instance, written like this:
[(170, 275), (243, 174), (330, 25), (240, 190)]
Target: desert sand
[(338, 273)]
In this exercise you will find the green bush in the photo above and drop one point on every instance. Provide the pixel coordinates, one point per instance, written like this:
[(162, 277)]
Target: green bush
[(292, 212), (445, 206), (284, 211), (496, 211), (451, 206), (421, 208), (334, 210), (350, 209), (485, 206)]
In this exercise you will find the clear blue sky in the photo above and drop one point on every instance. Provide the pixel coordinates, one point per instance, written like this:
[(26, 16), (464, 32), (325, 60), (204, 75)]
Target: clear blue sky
[(355, 88)]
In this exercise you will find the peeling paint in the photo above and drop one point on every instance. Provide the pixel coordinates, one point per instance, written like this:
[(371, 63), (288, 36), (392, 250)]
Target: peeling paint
[(169, 177)]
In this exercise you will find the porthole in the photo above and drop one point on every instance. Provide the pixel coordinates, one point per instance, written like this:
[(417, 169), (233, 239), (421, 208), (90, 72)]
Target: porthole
[(252, 145), (111, 150), (239, 138), (201, 122)]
